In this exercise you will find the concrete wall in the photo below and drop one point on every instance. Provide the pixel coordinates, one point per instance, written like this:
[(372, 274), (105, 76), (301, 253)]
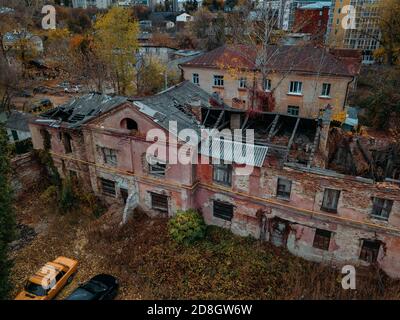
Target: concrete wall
[(310, 102)]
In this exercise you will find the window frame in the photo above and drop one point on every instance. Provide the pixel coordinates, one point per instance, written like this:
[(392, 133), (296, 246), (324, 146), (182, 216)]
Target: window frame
[(160, 165), (369, 253), (218, 80), (242, 83), (321, 239), (110, 158), (324, 206), (161, 198), (298, 85), (195, 78), (283, 194), (106, 189), (224, 170), (387, 205), (291, 108), (267, 85), (220, 205), (323, 91)]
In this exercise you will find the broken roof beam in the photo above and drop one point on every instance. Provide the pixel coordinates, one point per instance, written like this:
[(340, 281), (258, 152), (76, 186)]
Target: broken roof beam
[(272, 132), (293, 133)]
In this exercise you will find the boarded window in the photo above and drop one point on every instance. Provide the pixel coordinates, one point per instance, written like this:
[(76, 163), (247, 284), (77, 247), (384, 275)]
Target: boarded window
[(223, 210), (157, 169), (159, 202), (222, 173), (284, 188), (109, 156), (322, 239), (330, 201), (381, 208), (370, 250), (108, 186)]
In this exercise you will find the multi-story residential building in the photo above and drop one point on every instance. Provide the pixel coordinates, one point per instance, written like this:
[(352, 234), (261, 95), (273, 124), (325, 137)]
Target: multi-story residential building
[(291, 197), (100, 4), (295, 80), (313, 19), (366, 33)]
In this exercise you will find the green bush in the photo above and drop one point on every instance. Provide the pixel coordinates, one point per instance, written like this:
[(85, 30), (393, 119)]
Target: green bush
[(187, 227), (67, 196)]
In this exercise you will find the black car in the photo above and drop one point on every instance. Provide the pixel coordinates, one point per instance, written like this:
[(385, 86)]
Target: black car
[(100, 287)]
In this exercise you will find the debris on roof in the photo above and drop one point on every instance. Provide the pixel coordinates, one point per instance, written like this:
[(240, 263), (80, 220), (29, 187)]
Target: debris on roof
[(80, 110), (18, 120)]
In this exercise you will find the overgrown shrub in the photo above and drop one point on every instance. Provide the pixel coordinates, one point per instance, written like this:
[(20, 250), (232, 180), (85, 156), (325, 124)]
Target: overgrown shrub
[(187, 227), (67, 196)]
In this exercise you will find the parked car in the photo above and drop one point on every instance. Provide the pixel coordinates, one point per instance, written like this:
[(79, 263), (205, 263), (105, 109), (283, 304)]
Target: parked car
[(49, 280), (100, 287)]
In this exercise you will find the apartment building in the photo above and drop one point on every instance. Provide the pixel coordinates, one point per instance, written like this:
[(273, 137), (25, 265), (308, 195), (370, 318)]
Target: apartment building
[(100, 4), (294, 80), (293, 197), (363, 36)]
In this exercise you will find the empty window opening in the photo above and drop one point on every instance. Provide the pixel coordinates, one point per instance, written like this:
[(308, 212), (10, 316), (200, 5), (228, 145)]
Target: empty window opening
[(223, 210), (369, 250), (129, 124), (157, 168), (322, 239), (284, 188)]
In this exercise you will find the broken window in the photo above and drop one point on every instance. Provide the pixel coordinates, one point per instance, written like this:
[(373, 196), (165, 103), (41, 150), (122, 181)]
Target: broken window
[(293, 110), (159, 201), (322, 239), (370, 250), (222, 173), (295, 87), (381, 208), (129, 124), (109, 156), (284, 188), (14, 135), (223, 210), (195, 78), (218, 81), (67, 143), (157, 168), (331, 199), (326, 90), (108, 186)]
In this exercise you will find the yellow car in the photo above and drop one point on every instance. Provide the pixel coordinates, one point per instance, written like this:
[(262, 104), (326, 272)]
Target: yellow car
[(49, 280)]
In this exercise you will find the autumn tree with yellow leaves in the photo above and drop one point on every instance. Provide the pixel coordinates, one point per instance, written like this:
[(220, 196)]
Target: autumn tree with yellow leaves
[(115, 41)]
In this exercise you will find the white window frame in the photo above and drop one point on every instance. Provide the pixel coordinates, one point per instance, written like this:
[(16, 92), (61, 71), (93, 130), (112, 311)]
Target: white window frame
[(296, 87), (218, 80), (326, 90), (267, 85), (242, 83), (195, 78)]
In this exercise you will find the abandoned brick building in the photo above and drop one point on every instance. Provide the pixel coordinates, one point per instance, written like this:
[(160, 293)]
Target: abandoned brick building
[(325, 194)]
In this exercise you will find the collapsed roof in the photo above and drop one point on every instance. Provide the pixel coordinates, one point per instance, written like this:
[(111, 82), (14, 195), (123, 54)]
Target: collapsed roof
[(80, 110)]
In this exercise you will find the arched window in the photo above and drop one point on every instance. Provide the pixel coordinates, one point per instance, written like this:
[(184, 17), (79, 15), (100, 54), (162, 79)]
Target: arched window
[(129, 124)]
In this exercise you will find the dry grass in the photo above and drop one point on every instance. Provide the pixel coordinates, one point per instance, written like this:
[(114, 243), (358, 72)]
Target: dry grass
[(151, 266)]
